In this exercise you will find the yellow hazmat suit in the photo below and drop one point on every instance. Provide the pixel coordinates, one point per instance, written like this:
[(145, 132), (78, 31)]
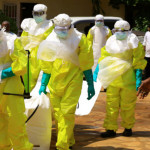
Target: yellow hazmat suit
[(12, 118), (98, 36), (119, 59), (34, 68), (91, 35), (65, 87)]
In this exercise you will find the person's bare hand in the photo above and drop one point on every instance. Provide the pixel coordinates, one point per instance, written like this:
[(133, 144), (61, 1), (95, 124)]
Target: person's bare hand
[(144, 89), (142, 94)]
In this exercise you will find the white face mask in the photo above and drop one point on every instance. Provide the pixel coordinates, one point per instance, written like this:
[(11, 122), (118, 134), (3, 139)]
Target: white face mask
[(39, 19), (121, 35), (99, 23), (61, 34)]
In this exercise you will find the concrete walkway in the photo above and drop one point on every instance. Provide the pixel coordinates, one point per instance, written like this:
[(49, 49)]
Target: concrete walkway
[(88, 129)]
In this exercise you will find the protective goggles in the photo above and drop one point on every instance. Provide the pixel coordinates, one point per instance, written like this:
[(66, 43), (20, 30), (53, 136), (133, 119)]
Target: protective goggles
[(119, 30), (38, 13), (62, 28), (99, 20)]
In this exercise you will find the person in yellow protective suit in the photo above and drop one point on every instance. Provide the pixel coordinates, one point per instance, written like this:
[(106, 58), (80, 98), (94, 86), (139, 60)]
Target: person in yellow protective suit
[(12, 118), (35, 30), (65, 56), (98, 35), (120, 71)]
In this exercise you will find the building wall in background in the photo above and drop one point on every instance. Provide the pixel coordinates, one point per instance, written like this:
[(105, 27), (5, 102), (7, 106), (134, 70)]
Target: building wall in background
[(71, 7)]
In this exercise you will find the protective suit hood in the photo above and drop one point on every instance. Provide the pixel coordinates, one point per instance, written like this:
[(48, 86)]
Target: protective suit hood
[(29, 25), (122, 24), (99, 17), (116, 46), (40, 7), (54, 47), (62, 20)]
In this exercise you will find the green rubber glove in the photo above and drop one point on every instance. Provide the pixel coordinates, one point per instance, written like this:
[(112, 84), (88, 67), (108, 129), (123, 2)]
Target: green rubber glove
[(44, 82), (89, 79), (95, 74), (138, 73), (6, 73)]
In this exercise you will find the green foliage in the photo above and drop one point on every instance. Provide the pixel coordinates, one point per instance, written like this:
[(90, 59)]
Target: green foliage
[(116, 3), (136, 12), (13, 26), (142, 19), (141, 24)]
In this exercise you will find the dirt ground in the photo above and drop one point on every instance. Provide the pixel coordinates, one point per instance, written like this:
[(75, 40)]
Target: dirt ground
[(88, 129)]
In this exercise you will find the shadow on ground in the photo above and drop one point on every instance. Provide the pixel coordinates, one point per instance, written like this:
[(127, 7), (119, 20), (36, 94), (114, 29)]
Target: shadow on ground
[(104, 148), (141, 134), (87, 134)]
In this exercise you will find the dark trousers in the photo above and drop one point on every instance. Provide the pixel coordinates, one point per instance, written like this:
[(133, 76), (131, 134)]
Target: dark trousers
[(147, 69)]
